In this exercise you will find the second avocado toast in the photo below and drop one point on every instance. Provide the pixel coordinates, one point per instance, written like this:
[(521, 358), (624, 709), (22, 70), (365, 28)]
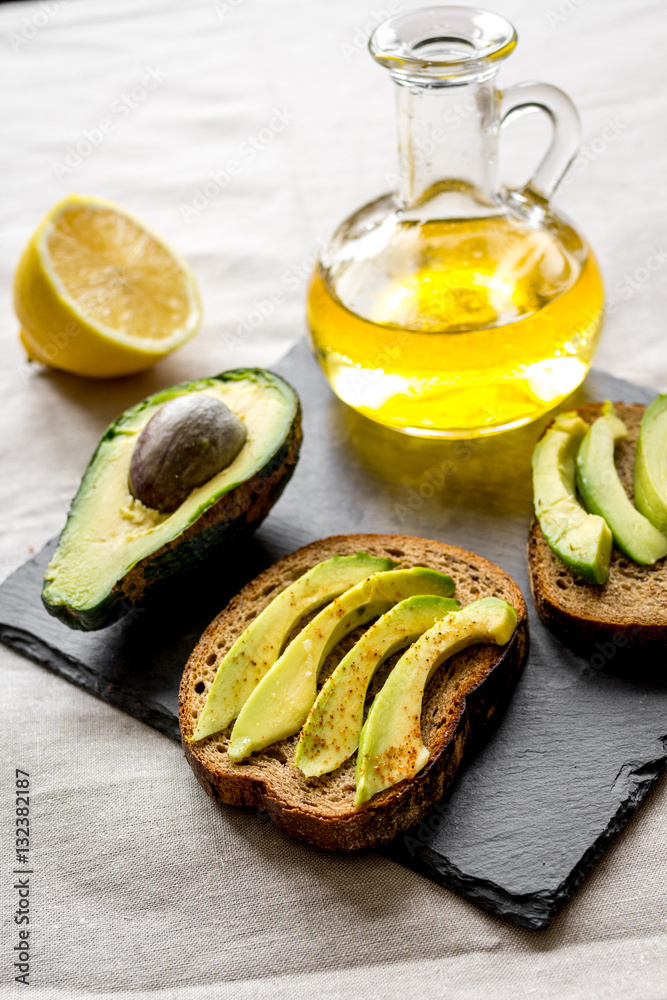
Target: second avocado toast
[(335, 808), (626, 603)]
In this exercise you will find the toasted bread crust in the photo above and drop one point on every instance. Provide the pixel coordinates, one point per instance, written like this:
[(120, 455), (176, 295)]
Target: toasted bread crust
[(321, 810), (630, 610)]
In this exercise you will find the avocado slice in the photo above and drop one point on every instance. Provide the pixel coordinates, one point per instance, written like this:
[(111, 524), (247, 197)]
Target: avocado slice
[(651, 465), (280, 703), (331, 732), (258, 647), (603, 493), (114, 549), (582, 541), (391, 746)]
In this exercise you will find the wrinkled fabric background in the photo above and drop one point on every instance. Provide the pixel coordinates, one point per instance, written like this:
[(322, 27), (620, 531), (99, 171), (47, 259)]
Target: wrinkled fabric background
[(142, 887)]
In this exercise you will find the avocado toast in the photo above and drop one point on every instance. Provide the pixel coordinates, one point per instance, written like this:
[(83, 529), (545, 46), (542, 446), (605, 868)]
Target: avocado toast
[(458, 704), (630, 607)]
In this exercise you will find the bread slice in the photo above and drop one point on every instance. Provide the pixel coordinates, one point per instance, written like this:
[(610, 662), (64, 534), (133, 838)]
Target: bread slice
[(459, 703), (630, 609)]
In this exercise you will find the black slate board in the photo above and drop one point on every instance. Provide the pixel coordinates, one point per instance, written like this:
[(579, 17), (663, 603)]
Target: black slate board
[(582, 741)]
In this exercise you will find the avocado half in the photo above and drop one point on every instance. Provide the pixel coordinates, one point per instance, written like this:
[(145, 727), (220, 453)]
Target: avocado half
[(113, 549)]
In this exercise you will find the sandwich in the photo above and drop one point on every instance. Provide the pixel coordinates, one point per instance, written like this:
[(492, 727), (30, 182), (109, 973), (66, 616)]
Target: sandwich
[(597, 545), (341, 689)]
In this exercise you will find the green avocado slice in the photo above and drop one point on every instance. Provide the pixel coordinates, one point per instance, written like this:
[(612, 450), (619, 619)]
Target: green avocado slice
[(331, 732), (280, 703), (582, 541), (391, 746), (113, 549), (651, 465), (258, 647), (603, 493)]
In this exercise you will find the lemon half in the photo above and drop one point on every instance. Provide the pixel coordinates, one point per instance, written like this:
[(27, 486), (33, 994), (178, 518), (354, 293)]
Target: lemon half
[(98, 294)]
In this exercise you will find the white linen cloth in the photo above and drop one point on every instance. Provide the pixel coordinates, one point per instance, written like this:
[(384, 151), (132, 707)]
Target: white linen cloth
[(142, 887)]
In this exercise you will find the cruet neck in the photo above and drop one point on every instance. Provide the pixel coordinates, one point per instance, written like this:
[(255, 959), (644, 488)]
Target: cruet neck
[(444, 61)]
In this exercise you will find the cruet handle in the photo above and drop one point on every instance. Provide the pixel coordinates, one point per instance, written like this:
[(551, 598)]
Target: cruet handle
[(566, 130)]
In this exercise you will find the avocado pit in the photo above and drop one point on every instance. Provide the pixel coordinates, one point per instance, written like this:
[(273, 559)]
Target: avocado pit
[(189, 440)]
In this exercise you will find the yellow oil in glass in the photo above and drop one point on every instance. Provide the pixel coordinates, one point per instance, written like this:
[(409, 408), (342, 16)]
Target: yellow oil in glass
[(459, 328)]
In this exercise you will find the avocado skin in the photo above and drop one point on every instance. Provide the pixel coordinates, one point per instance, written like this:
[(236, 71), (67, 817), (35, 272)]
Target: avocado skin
[(563, 520), (650, 498), (236, 513)]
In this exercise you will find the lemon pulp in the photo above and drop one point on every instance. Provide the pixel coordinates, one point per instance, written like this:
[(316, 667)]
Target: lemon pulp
[(97, 293), (118, 274)]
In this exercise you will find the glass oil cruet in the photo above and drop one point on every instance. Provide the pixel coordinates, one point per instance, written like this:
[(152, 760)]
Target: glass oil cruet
[(453, 307)]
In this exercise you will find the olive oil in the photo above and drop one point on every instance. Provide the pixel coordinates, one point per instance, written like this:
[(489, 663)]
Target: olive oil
[(457, 328)]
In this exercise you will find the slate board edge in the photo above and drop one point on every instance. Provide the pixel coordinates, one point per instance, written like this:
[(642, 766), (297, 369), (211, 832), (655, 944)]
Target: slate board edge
[(532, 911), (535, 911), (76, 672)]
